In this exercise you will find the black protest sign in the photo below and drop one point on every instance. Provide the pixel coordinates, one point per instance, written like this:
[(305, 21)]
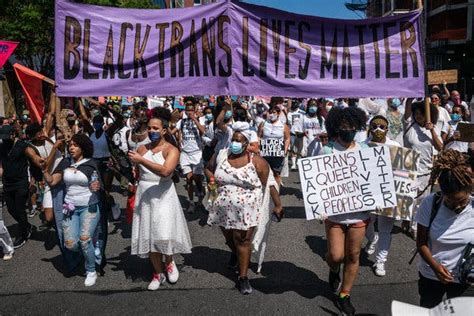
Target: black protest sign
[(272, 147)]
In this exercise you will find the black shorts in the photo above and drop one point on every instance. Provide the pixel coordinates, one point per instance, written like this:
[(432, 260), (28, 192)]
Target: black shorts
[(276, 163)]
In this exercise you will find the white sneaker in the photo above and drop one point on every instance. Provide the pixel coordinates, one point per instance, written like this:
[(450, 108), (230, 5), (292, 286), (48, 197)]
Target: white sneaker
[(8, 256), (158, 279), (116, 211), (90, 279), (379, 269), (172, 272), (370, 248)]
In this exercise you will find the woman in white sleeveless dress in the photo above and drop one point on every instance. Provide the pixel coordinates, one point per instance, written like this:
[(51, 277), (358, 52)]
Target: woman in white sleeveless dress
[(159, 226)]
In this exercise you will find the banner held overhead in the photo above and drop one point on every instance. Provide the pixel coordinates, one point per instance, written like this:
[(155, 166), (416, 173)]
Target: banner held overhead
[(234, 48)]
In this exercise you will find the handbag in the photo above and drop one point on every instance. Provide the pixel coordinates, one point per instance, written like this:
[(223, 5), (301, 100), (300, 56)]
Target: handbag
[(466, 269)]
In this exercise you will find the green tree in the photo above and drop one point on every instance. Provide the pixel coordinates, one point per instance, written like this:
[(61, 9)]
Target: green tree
[(31, 23)]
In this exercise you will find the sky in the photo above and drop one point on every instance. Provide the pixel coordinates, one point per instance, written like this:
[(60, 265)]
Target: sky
[(324, 8)]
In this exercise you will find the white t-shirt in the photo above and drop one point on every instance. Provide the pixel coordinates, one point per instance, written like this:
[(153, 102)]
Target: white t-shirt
[(456, 145), (209, 131), (449, 235), (420, 139), (77, 188), (223, 138), (313, 127), (443, 115), (190, 139), (295, 120)]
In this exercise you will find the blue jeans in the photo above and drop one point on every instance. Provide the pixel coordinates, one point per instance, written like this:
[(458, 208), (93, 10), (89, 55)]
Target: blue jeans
[(79, 229)]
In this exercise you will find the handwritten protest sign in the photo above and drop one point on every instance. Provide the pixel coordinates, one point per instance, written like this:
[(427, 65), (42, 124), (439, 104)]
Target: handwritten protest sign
[(441, 76), (467, 132), (347, 182), (404, 162), (272, 147), (234, 48)]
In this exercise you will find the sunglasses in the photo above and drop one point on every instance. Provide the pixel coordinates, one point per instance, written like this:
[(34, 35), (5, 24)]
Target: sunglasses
[(375, 126)]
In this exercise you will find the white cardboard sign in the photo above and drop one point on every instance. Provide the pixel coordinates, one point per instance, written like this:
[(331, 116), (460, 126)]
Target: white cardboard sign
[(347, 182)]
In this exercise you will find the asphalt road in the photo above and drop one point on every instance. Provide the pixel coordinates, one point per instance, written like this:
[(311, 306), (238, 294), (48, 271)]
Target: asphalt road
[(293, 279)]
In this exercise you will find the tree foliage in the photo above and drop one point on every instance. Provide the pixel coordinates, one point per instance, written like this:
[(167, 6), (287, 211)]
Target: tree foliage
[(31, 23)]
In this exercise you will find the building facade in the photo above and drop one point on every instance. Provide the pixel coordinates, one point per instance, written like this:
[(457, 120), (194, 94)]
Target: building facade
[(185, 3), (449, 34)]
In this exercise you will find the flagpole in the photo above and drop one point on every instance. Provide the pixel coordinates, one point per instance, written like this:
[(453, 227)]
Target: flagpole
[(423, 38)]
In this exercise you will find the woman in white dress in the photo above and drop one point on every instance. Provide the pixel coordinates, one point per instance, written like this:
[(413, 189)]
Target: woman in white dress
[(159, 226)]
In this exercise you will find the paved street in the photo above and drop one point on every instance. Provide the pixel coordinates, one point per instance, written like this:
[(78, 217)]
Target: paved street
[(293, 279)]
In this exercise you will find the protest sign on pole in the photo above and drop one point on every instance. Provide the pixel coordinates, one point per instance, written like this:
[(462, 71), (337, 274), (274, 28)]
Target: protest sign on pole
[(272, 147), (6, 49), (404, 162), (347, 182), (234, 48)]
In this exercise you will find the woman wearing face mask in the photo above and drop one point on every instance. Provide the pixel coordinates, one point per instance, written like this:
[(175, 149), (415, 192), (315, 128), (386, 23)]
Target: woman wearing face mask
[(207, 120), (445, 227), (425, 137), (223, 121), (159, 226), (274, 131), (378, 129), (452, 137), (345, 232), (241, 177), (395, 119), (313, 126)]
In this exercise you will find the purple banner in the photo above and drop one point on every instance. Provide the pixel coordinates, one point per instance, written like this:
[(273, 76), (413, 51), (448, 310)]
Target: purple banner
[(231, 48)]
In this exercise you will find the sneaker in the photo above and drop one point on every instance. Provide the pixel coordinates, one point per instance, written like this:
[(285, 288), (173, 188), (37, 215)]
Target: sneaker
[(334, 280), (19, 242), (158, 279), (370, 248), (345, 305), (32, 212), (379, 269), (191, 207), (8, 256), (244, 286), (91, 277), (116, 212), (30, 231), (172, 272)]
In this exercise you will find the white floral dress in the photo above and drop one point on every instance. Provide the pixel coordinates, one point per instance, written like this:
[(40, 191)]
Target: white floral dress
[(239, 198)]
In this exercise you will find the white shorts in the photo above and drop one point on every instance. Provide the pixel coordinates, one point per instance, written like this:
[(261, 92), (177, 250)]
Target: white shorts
[(47, 197), (192, 162)]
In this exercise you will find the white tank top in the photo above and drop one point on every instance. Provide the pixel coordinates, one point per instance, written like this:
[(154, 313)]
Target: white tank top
[(101, 149), (273, 131), (44, 150), (134, 145)]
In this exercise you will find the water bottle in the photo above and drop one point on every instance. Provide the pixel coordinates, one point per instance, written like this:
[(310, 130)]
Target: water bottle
[(212, 190), (94, 177)]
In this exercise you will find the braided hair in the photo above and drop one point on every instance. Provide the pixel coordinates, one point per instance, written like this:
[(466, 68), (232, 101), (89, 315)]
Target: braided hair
[(453, 171)]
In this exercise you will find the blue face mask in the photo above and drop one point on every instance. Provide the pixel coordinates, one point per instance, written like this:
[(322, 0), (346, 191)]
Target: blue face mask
[(98, 126), (456, 117), (154, 136), (209, 117), (396, 103), (228, 115), (236, 148), (313, 109)]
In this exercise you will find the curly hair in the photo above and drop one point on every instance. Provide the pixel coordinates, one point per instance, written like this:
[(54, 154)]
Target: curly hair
[(352, 116), (161, 114), (84, 142), (420, 107), (452, 169)]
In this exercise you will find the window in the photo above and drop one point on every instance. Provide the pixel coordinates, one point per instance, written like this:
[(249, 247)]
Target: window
[(197, 2)]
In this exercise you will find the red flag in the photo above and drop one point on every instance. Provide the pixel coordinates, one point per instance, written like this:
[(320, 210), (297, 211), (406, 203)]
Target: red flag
[(32, 84), (6, 49)]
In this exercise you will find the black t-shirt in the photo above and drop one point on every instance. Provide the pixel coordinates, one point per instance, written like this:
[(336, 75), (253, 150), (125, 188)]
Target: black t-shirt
[(15, 166)]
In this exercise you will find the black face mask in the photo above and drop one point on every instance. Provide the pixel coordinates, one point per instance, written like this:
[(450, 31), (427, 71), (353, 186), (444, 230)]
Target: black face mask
[(347, 136)]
